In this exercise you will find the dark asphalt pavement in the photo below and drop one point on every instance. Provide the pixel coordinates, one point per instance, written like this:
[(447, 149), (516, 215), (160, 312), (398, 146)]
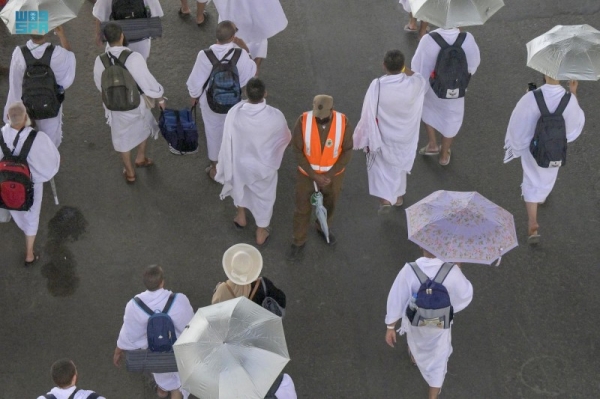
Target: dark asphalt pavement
[(531, 331)]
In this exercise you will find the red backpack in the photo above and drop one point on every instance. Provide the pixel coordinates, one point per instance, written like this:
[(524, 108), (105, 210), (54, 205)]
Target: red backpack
[(16, 186)]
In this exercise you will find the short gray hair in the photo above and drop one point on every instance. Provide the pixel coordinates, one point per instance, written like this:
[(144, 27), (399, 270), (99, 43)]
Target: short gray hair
[(17, 114)]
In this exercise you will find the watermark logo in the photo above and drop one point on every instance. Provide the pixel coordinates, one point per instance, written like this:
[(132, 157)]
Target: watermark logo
[(31, 22)]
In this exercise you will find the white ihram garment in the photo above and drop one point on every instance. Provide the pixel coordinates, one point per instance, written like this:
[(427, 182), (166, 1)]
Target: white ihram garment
[(44, 161), (256, 20), (444, 115), (406, 5), (63, 65), (213, 122), (103, 8), (133, 332), (60, 393), (431, 347), (537, 181), (392, 140), (254, 140), (130, 128)]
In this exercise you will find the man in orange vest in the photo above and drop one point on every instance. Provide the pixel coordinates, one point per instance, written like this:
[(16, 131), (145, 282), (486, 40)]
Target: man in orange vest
[(322, 140)]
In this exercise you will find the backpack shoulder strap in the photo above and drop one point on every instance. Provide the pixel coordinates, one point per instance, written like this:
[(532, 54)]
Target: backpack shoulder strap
[(439, 40), (72, 396), (29, 58), (123, 57), (539, 99), (236, 56), (443, 272), (227, 55), (420, 275), (27, 145), (169, 302), (5, 151), (211, 56), (105, 60), (276, 384), (142, 305), (460, 39), (93, 395), (563, 104), (49, 396), (47, 57)]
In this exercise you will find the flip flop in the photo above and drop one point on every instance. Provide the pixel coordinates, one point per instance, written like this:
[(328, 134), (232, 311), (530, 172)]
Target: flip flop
[(183, 14), (408, 29), (399, 203), (201, 24), (384, 209), (238, 226), (533, 239), (208, 170), (31, 262), (265, 242), (147, 162), (128, 179), (448, 161), (425, 151)]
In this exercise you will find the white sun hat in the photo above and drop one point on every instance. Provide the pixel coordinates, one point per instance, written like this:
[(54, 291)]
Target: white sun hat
[(242, 264)]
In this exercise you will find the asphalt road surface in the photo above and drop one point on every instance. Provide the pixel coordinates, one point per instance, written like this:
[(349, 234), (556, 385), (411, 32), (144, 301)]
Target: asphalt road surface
[(530, 332)]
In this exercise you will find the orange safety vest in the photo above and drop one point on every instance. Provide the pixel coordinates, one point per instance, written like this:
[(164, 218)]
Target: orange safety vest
[(322, 160)]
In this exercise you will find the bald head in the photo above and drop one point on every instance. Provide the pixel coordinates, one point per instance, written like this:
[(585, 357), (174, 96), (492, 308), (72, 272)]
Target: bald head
[(17, 115)]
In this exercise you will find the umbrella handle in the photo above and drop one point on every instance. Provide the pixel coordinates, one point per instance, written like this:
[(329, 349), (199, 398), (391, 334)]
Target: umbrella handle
[(316, 188), (499, 258)]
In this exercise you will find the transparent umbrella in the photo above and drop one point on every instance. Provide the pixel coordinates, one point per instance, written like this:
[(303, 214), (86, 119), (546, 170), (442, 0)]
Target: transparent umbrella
[(26, 17), (320, 211), (461, 227), (566, 52), (233, 349), (455, 13)]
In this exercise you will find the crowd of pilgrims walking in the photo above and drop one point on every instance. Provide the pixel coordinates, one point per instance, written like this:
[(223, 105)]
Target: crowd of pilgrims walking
[(245, 147)]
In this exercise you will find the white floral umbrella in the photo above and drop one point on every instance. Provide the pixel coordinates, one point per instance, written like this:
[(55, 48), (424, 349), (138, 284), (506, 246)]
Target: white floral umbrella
[(233, 349), (461, 227)]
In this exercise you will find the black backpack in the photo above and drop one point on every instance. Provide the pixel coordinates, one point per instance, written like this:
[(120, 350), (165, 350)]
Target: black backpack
[(93, 395), (271, 393), (451, 76), (128, 9), (223, 89), (549, 143), (41, 94)]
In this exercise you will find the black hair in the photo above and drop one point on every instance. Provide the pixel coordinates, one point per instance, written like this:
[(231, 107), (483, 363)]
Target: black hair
[(393, 61)]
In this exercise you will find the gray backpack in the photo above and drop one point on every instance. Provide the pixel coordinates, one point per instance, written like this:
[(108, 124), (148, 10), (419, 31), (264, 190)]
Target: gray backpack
[(120, 92), (431, 307)]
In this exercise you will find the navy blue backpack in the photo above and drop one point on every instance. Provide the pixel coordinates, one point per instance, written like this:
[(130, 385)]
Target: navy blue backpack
[(160, 330), (223, 89), (433, 307), (178, 127)]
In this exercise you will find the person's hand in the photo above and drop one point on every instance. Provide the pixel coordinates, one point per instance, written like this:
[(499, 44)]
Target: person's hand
[(117, 357), (573, 86), (240, 42), (390, 337), (408, 71), (322, 180), (193, 101), (59, 31)]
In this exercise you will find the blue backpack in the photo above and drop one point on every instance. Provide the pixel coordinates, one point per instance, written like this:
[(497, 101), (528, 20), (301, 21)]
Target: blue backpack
[(432, 307), (223, 89), (160, 330)]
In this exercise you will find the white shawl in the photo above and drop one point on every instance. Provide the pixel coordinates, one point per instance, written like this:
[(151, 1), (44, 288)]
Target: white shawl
[(256, 20)]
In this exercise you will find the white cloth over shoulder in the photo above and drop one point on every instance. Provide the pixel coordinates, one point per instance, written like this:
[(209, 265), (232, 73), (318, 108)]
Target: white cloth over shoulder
[(254, 140), (391, 131), (61, 393), (63, 65), (286, 389), (406, 5), (130, 128), (133, 332), (213, 122), (103, 8), (445, 115), (537, 181), (44, 161), (430, 347)]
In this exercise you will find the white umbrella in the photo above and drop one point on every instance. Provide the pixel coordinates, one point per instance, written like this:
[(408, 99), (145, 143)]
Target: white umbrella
[(455, 13), (566, 52), (233, 349), (25, 17)]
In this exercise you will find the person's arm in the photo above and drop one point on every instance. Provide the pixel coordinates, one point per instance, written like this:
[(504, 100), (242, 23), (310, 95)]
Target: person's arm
[(60, 32), (198, 77), (346, 154), (298, 144), (241, 44)]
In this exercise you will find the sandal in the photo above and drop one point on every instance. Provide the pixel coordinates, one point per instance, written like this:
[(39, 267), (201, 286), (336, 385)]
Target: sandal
[(425, 151), (408, 29), (209, 172), (128, 179), (201, 24), (448, 161), (144, 164), (183, 14), (31, 262), (266, 241)]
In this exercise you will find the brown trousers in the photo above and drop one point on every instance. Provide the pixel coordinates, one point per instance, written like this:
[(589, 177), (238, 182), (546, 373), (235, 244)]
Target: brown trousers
[(303, 211)]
